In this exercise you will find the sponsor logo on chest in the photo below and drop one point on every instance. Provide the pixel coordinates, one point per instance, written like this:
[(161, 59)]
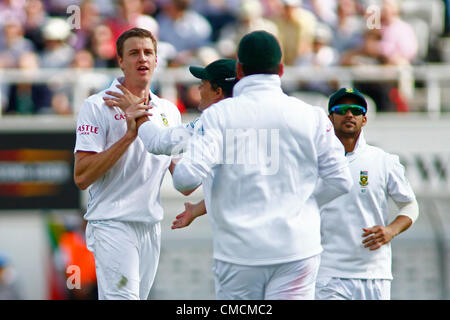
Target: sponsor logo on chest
[(120, 116)]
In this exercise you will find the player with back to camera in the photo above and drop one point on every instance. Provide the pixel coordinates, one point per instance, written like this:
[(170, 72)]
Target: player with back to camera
[(124, 209), (264, 218), (356, 235)]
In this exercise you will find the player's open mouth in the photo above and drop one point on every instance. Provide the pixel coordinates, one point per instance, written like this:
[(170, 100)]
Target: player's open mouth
[(143, 69)]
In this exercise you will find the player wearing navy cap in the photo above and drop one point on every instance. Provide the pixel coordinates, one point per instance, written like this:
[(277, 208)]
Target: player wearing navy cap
[(355, 228)]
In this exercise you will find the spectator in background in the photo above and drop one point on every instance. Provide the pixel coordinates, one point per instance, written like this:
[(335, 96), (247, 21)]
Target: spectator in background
[(325, 10), (322, 55), (398, 41), (13, 43), (89, 19), (218, 12), (103, 47), (9, 289), (184, 28), (26, 97), (296, 27), (61, 99), (251, 18), (58, 8), (12, 9), (349, 29), (367, 53), (57, 53), (36, 18), (394, 43), (129, 14)]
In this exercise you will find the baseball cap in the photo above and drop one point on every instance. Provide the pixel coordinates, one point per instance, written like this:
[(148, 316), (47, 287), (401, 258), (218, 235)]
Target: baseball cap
[(259, 49), (346, 92), (221, 72)]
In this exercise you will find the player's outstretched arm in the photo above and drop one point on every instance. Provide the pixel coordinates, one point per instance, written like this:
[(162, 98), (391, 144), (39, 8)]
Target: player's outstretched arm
[(191, 211)]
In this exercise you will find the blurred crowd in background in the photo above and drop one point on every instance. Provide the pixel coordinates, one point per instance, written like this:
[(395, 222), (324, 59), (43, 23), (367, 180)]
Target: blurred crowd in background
[(38, 34)]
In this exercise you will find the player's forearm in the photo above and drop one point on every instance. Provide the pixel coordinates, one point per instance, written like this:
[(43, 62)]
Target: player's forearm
[(167, 141), (90, 168), (400, 224)]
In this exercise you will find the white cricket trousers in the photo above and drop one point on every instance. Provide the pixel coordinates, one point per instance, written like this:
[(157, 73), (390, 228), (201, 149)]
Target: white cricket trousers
[(328, 288), (286, 281), (126, 257)]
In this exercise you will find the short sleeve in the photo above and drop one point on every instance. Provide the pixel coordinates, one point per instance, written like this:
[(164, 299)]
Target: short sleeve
[(398, 186), (90, 130), (330, 151)]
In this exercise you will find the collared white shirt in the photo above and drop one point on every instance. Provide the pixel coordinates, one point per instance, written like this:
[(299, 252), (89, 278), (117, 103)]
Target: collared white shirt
[(260, 158), (130, 190), (377, 175)]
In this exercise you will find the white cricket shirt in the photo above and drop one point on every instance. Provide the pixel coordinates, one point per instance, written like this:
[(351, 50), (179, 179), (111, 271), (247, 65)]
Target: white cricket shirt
[(260, 157), (376, 175), (168, 141), (130, 190)]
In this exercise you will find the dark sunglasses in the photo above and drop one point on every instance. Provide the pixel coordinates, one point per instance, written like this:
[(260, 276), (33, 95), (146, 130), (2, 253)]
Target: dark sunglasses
[(354, 109)]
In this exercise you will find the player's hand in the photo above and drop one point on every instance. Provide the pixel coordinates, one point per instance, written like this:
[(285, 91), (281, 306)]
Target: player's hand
[(377, 236), (138, 110), (185, 218), (135, 112), (123, 101)]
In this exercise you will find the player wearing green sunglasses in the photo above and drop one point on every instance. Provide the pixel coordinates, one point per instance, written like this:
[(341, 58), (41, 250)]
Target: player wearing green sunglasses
[(342, 109)]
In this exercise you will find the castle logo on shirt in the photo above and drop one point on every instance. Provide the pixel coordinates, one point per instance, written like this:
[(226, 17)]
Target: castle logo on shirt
[(164, 119), (120, 116), (86, 129)]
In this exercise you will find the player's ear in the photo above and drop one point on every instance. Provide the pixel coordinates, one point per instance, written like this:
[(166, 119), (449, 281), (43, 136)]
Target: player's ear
[(219, 93), (364, 121)]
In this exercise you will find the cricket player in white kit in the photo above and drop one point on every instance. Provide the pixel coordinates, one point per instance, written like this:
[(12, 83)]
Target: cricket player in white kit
[(124, 209), (265, 220), (356, 233)]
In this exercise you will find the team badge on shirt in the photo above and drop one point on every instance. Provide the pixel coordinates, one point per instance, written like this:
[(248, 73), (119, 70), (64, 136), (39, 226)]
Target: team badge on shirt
[(164, 119), (363, 180)]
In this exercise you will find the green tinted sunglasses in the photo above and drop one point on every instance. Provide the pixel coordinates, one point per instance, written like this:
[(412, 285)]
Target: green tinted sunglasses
[(354, 109)]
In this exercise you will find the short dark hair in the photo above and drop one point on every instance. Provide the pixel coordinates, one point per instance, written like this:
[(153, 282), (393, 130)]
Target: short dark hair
[(249, 70), (135, 32)]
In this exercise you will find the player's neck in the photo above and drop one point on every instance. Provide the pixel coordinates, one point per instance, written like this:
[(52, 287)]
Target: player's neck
[(139, 90), (348, 140)]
